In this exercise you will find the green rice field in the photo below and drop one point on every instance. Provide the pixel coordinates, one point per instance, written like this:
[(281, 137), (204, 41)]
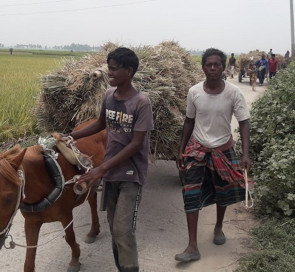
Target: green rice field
[(20, 78)]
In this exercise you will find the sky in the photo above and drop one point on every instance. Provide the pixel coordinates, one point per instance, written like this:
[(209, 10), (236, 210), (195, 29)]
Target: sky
[(230, 25)]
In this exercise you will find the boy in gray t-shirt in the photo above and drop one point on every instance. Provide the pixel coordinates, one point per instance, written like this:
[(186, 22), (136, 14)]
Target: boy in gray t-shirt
[(127, 115), (123, 117)]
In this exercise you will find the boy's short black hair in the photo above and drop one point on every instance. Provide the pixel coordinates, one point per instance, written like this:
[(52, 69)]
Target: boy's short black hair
[(213, 51), (124, 57)]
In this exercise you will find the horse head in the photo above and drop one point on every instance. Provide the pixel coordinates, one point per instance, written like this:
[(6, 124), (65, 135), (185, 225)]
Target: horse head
[(10, 184)]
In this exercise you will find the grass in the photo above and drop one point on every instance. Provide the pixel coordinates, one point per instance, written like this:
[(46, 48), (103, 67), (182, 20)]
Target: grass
[(274, 241), (19, 87)]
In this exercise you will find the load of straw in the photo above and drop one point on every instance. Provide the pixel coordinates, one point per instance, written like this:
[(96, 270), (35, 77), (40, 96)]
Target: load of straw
[(74, 93), (282, 63), (252, 56)]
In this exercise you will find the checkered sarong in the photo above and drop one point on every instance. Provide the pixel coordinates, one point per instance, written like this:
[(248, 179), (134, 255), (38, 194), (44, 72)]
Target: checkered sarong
[(211, 176)]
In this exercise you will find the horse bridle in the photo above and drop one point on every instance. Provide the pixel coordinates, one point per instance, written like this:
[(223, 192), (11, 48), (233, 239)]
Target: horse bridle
[(5, 232)]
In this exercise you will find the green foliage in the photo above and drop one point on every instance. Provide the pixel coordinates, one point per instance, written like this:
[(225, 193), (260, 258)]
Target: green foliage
[(276, 172), (274, 241), (272, 130)]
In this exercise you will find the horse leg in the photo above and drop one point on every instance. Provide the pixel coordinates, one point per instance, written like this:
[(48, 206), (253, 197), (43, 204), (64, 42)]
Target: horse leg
[(32, 229), (74, 265), (95, 226), (254, 84)]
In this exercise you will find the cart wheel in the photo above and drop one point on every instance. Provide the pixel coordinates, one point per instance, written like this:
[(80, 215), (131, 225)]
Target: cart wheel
[(240, 76)]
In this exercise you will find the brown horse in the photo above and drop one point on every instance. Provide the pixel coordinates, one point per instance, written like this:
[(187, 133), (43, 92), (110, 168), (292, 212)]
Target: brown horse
[(38, 185)]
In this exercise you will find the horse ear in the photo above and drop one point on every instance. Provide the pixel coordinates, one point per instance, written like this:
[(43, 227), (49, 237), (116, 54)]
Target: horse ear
[(17, 160)]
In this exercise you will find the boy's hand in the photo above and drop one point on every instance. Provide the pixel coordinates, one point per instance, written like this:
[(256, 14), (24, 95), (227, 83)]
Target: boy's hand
[(92, 176), (246, 163), (180, 162)]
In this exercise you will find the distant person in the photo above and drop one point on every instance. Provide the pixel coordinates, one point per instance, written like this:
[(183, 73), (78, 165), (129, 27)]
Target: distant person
[(126, 113), (272, 66), (269, 54), (232, 65), (287, 57), (262, 66), (11, 50), (212, 172)]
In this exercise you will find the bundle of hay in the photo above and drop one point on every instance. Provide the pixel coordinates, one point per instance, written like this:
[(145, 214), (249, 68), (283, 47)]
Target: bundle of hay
[(74, 93), (71, 94), (252, 56)]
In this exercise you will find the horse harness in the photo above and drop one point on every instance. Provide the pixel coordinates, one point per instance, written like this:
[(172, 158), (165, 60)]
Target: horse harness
[(55, 172)]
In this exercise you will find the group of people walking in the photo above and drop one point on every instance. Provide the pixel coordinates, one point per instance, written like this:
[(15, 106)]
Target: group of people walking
[(267, 65), (212, 172)]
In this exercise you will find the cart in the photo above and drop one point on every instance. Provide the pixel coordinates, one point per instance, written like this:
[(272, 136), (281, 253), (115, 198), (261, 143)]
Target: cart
[(244, 73)]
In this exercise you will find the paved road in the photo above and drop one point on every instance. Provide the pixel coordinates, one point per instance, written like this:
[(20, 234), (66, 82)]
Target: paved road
[(161, 230)]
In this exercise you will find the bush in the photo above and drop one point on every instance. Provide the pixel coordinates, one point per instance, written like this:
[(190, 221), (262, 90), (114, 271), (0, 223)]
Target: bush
[(276, 177), (272, 130)]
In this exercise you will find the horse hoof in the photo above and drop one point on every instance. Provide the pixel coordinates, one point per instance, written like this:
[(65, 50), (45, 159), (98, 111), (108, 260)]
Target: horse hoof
[(74, 268), (90, 239)]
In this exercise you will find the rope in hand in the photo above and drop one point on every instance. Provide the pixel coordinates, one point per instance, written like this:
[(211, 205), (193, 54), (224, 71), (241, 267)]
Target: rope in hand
[(247, 193)]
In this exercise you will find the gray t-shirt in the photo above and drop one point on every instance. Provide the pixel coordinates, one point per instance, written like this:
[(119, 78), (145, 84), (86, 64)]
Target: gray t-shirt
[(213, 113), (122, 118)]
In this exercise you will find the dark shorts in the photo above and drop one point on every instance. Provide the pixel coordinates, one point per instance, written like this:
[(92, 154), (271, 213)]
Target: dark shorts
[(204, 187)]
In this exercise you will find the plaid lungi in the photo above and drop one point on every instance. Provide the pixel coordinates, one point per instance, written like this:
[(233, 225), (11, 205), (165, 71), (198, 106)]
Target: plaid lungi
[(203, 186)]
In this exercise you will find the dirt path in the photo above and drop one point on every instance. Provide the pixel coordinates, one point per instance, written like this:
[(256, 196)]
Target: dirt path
[(161, 230)]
